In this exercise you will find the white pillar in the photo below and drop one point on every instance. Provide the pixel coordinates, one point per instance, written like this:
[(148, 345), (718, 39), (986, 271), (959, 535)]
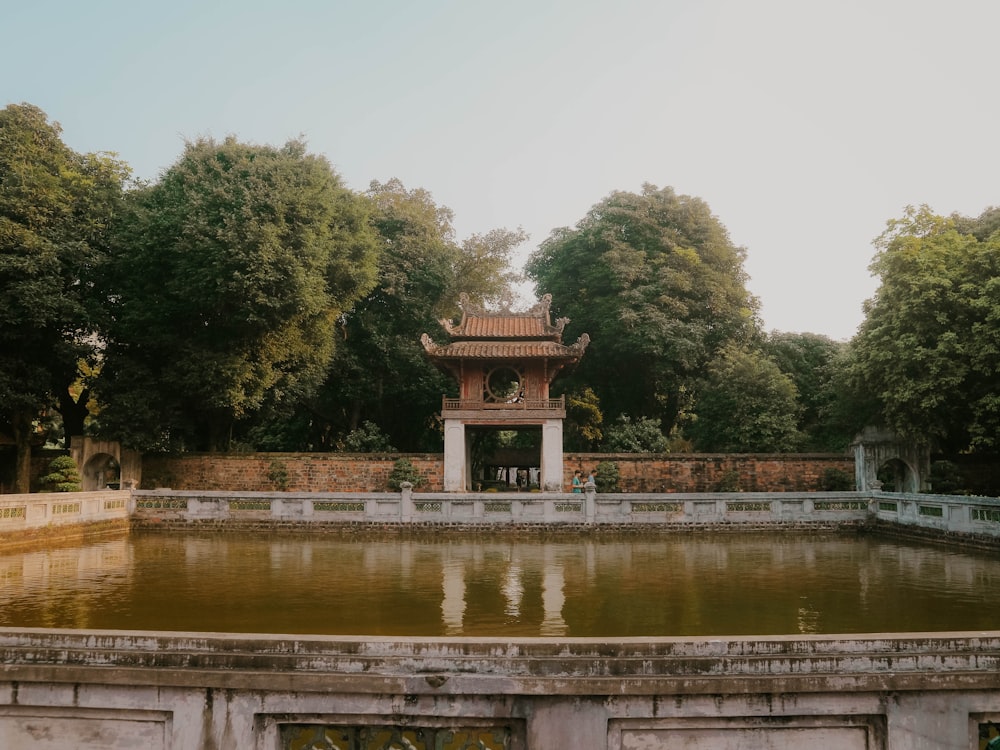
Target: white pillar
[(551, 478), (454, 455)]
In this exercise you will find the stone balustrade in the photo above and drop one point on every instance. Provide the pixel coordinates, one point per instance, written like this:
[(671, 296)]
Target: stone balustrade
[(973, 517), (34, 518), (978, 517)]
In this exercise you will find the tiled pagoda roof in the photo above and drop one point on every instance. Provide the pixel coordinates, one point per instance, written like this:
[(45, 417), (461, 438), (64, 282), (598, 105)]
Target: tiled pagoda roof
[(494, 350), (503, 334), (478, 323)]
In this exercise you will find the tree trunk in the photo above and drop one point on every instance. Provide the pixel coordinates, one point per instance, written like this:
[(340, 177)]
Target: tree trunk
[(22, 442), (74, 414)]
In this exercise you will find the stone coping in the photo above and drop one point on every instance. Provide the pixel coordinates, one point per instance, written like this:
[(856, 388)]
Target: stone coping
[(512, 666)]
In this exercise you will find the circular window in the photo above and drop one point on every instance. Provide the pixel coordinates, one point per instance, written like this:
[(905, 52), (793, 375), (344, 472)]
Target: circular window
[(503, 384)]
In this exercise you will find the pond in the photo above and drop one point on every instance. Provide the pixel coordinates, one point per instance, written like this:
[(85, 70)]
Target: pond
[(459, 585)]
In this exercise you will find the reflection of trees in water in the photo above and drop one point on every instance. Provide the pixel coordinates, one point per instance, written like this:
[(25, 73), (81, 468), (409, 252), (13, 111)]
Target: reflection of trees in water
[(644, 585), (64, 587)]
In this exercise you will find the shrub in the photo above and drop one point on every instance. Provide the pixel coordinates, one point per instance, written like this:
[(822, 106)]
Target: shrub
[(404, 471), (277, 473), (607, 477), (642, 435), (63, 476), (945, 478), (729, 481), (836, 480), (368, 438)]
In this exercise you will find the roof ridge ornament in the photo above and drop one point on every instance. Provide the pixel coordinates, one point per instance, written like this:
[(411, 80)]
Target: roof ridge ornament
[(478, 323), (580, 345), (428, 342)]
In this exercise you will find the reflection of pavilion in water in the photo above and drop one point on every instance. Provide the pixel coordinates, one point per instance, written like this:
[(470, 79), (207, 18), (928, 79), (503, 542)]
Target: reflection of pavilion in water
[(454, 587)]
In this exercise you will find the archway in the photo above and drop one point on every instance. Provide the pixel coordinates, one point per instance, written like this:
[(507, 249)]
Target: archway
[(104, 464), (102, 471), (882, 460), (895, 475)]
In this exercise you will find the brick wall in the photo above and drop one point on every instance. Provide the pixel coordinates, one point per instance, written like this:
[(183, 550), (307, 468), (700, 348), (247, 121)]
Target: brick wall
[(303, 472), (705, 472), (369, 472)]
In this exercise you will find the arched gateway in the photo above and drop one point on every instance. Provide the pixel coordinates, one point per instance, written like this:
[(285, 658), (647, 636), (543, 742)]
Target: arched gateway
[(504, 362)]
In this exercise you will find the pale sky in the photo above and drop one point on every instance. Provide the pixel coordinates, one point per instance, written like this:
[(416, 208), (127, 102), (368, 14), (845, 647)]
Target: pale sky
[(804, 125)]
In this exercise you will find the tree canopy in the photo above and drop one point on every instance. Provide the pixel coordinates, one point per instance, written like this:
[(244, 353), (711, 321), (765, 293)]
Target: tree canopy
[(247, 296), (659, 286), (380, 371), (225, 283), (928, 351), (812, 362), (55, 208), (745, 405)]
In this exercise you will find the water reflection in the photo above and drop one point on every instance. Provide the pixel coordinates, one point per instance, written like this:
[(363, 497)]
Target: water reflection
[(671, 585)]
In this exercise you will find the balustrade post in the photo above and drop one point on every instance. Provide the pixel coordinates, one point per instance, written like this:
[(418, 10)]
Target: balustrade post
[(406, 501), (590, 501)]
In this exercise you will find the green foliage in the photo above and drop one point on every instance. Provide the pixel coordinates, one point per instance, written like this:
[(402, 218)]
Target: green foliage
[(982, 227), (945, 478), (62, 476), (607, 477), (642, 435), (836, 480), (403, 470), (928, 352), (55, 206), (582, 428), (368, 438), (277, 474), (226, 281), (729, 481), (657, 283), (380, 371), (812, 363), (747, 405)]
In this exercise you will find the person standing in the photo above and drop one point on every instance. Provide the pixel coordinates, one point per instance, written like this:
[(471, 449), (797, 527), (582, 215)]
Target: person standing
[(577, 481)]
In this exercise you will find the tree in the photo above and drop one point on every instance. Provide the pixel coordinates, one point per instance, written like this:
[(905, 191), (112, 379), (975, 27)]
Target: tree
[(746, 405), (380, 372), (225, 285), (367, 438), (657, 283), (582, 428), (642, 435), (810, 361), (55, 207), (928, 350)]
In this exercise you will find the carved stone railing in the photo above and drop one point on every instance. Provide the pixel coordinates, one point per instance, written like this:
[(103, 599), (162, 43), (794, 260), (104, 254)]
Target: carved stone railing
[(964, 516), (24, 515), (527, 404)]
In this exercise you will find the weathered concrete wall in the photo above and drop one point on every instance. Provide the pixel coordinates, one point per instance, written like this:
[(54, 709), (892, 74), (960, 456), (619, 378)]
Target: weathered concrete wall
[(88, 689), (45, 517), (360, 472)]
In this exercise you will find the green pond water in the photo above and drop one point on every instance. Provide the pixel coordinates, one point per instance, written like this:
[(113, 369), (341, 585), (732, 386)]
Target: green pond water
[(451, 585)]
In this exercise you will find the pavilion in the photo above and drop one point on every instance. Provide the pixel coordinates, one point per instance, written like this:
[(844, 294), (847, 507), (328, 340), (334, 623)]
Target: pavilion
[(504, 363)]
